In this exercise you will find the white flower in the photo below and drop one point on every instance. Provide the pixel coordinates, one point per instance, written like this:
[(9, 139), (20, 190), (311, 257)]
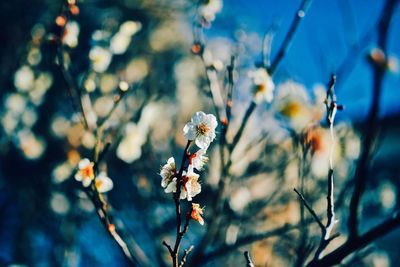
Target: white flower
[(198, 159), (24, 79), (101, 58), (119, 43), (207, 11), (168, 172), (70, 37), (191, 186), (103, 183), (130, 27), (201, 128), (85, 173), (31, 145), (171, 188), (263, 86)]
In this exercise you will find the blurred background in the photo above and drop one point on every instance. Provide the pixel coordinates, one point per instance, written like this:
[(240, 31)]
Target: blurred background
[(141, 50)]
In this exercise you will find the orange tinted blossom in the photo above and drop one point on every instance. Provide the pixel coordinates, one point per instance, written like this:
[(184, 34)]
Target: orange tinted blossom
[(88, 171), (74, 9), (313, 138), (196, 48), (98, 183), (61, 21), (196, 213)]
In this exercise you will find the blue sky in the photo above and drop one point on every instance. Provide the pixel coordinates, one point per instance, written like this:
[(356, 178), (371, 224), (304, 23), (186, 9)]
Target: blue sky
[(321, 44)]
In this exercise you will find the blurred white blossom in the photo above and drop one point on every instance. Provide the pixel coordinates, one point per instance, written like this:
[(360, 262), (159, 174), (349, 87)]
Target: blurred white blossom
[(263, 86), (61, 172), (103, 183), (32, 146), (24, 79), (209, 9), (101, 58), (71, 34)]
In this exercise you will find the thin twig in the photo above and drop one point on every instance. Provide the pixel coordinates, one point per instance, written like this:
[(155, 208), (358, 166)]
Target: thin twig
[(245, 240), (171, 252), (300, 14), (179, 231), (356, 243), (73, 88), (185, 254), (249, 262), (310, 209)]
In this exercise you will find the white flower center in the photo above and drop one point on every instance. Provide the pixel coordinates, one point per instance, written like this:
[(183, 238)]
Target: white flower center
[(202, 129)]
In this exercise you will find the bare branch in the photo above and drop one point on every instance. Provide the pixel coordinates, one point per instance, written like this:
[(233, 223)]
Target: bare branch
[(249, 262), (245, 240), (356, 243), (168, 247), (185, 254), (361, 173), (310, 209), (300, 14)]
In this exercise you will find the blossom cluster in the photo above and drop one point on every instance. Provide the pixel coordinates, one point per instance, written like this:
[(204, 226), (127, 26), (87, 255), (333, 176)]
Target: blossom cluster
[(201, 131), (86, 175)]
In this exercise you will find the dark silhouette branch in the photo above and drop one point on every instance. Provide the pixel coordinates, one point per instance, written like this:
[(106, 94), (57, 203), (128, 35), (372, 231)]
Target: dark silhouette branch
[(361, 173), (246, 240), (356, 243)]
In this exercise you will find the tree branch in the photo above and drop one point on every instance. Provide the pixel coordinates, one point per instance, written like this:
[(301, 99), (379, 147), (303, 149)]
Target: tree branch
[(361, 173), (300, 14)]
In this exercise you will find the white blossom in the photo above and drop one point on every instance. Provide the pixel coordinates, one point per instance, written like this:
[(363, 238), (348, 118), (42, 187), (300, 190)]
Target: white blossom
[(201, 128), (263, 86), (172, 186), (24, 79), (119, 43), (103, 183), (191, 185), (70, 37), (101, 58), (85, 173), (168, 172), (130, 27), (210, 9), (198, 159)]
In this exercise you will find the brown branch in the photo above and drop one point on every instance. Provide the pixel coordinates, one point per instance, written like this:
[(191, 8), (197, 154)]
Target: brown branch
[(310, 209), (358, 242), (179, 232), (361, 173)]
